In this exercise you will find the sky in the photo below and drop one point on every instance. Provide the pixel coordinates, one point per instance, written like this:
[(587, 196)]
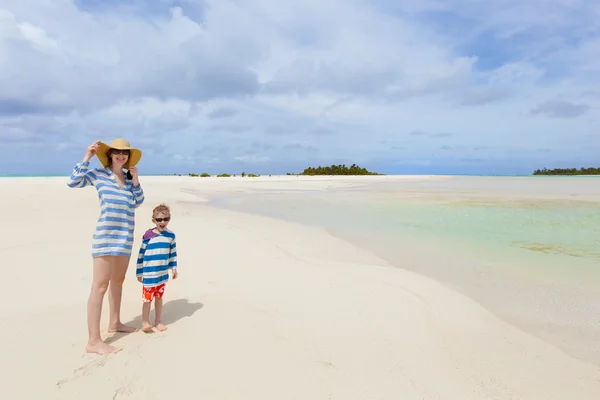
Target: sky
[(270, 87)]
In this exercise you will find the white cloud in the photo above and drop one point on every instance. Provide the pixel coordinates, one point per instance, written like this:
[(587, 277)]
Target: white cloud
[(216, 85), (251, 159)]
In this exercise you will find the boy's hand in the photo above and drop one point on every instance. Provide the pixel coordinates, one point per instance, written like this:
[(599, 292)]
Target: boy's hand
[(139, 279), (175, 274)]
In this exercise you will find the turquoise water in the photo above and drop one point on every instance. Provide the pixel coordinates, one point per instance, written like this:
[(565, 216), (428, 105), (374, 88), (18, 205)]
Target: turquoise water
[(32, 175), (571, 230), (66, 175)]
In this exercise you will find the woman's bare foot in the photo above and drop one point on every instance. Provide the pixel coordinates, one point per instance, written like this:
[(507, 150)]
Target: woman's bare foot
[(161, 327), (146, 327), (100, 348), (122, 328)]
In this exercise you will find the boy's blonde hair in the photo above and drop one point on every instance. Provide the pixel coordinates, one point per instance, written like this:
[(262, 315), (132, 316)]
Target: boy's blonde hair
[(161, 208)]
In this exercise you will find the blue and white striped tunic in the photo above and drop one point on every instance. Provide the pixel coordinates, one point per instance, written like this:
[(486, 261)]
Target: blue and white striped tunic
[(157, 255), (115, 226)]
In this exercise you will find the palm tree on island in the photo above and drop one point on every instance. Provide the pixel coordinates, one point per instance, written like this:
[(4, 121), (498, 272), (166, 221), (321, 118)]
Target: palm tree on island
[(567, 171), (340, 169)]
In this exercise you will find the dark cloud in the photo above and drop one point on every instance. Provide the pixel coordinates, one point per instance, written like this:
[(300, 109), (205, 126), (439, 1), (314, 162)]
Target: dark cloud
[(37, 127), (209, 82), (170, 122), (483, 95), (300, 146), (230, 128), (303, 76), (15, 135), (591, 94), (430, 134), (301, 128), (322, 131), (473, 160), (560, 109), (161, 8), (377, 81), (209, 149), (282, 130), (24, 107), (261, 146), (223, 112)]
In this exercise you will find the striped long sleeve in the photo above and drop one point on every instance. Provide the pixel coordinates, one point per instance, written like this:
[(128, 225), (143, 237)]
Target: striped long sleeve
[(173, 254), (81, 176), (138, 194)]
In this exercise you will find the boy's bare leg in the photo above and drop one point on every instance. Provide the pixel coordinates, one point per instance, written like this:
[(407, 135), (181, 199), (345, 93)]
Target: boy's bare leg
[(158, 306), (146, 327), (101, 277), (115, 294)]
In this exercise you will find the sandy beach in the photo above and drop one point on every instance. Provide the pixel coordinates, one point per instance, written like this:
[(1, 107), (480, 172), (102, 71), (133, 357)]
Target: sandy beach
[(263, 309)]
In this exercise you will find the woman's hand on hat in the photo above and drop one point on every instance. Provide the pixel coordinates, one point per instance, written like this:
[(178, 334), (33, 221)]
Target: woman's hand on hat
[(91, 151)]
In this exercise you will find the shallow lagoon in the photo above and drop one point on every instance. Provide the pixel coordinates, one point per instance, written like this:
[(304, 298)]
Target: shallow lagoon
[(526, 248)]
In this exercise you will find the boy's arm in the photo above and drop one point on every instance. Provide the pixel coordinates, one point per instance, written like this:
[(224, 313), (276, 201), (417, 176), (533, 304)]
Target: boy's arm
[(173, 257), (139, 270)]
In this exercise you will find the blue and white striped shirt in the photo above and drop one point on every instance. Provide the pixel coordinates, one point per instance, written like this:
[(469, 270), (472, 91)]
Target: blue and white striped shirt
[(157, 255), (115, 226)]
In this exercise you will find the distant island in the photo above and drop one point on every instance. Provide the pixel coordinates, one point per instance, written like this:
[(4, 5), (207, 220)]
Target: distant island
[(336, 170), (567, 171), (341, 169)]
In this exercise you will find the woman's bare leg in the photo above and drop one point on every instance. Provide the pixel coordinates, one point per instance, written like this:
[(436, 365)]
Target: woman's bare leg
[(101, 277), (117, 278)]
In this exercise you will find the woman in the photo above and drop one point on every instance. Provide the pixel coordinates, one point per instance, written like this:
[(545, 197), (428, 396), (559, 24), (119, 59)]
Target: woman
[(119, 194)]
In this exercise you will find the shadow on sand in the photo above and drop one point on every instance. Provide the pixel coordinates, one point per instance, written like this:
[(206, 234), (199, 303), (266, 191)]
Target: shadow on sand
[(173, 311)]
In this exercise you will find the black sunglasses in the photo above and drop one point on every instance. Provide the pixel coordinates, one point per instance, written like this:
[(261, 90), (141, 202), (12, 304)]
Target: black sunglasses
[(162, 219), (115, 151)]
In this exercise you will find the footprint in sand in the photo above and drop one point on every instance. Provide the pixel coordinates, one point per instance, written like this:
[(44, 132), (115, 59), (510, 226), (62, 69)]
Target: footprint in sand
[(122, 391), (87, 368)]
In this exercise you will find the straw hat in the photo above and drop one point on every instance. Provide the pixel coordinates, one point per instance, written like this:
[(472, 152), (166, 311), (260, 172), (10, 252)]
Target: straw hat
[(120, 144)]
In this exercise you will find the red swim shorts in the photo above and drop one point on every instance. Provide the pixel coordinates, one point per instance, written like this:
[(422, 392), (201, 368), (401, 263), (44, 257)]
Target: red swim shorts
[(151, 292)]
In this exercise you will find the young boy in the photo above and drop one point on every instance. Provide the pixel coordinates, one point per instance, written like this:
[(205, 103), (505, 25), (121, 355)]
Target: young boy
[(158, 255)]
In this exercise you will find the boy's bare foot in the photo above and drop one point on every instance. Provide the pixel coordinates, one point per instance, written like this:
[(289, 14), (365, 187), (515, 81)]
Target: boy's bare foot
[(146, 327), (122, 328), (161, 327), (100, 348)]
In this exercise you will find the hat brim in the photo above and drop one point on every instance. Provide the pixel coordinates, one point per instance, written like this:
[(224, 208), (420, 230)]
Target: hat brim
[(135, 155)]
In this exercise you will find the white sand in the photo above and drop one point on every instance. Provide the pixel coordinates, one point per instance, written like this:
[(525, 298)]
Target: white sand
[(263, 309)]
